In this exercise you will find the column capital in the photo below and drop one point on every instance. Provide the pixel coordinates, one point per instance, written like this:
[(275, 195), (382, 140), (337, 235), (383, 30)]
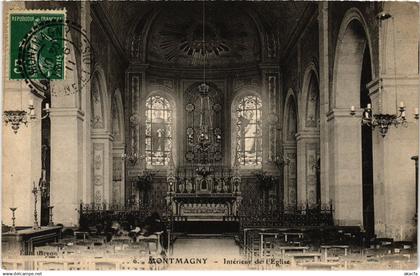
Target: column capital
[(67, 112), (340, 113), (118, 146), (102, 134), (289, 146), (307, 134)]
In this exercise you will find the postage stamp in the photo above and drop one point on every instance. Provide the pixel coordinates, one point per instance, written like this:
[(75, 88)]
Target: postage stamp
[(44, 49), (36, 45)]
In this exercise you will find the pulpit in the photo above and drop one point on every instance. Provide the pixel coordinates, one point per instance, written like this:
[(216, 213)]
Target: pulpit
[(23, 241)]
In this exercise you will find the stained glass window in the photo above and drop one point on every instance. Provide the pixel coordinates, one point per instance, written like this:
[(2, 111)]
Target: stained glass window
[(248, 131), (158, 136)]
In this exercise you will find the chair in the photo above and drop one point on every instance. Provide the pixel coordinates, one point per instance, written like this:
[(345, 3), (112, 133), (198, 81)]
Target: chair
[(105, 265), (12, 264), (51, 265), (135, 264)]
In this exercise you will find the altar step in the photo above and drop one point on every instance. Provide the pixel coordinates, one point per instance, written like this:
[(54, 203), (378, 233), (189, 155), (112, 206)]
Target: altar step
[(206, 227)]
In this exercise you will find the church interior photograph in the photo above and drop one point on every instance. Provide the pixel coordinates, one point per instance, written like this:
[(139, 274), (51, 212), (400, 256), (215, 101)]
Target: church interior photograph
[(210, 135)]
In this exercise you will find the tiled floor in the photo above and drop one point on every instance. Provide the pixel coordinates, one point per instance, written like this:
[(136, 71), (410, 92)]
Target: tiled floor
[(212, 252)]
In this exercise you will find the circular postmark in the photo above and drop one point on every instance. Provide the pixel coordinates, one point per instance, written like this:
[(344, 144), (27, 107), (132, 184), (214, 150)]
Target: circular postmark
[(55, 57)]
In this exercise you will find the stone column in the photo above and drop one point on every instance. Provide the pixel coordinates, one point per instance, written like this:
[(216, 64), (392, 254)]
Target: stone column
[(290, 177), (394, 178), (345, 169), (323, 99), (102, 166), (21, 151), (118, 175), (87, 197), (66, 160), (307, 156), (21, 156)]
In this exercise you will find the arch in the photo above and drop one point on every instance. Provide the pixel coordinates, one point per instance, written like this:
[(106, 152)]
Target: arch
[(260, 28), (143, 25), (148, 20), (236, 130), (154, 54), (118, 145), (163, 91), (309, 112), (100, 107), (245, 90), (290, 105), (290, 128), (308, 140), (353, 43), (353, 39), (117, 113)]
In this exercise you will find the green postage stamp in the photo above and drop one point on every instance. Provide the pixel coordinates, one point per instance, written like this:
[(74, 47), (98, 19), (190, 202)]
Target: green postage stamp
[(36, 44)]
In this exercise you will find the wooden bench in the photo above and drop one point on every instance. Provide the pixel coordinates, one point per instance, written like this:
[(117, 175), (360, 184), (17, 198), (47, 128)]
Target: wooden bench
[(325, 249), (319, 265), (287, 250)]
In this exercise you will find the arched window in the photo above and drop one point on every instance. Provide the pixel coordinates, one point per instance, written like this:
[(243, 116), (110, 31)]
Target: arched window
[(248, 134), (158, 136)]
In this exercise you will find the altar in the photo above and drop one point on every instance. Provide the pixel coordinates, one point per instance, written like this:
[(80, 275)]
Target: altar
[(205, 213), (208, 207)]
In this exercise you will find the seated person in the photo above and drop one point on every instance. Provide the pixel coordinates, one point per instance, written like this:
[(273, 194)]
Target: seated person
[(134, 233), (152, 224), (117, 231)]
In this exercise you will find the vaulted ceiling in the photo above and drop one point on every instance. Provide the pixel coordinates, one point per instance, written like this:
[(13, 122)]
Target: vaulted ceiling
[(233, 27)]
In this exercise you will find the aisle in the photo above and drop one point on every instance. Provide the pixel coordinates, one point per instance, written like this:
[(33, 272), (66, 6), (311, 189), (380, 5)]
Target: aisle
[(197, 253)]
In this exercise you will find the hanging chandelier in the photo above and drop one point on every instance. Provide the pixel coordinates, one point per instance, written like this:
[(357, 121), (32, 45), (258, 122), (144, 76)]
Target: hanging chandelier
[(207, 137), (18, 117), (383, 121), (204, 173)]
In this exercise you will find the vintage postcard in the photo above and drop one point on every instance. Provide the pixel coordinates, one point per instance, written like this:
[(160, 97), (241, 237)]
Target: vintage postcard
[(210, 135)]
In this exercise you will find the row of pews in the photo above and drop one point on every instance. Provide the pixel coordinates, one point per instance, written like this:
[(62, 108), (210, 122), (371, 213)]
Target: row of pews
[(77, 263), (120, 253), (326, 248)]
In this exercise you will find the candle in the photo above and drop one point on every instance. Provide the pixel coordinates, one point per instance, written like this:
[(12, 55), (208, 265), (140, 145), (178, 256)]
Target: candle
[(367, 115), (416, 110), (31, 102), (12, 190), (369, 106), (47, 106), (401, 104), (351, 108)]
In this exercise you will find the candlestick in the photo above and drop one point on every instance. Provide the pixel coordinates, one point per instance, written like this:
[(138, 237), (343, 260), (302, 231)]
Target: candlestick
[(50, 221), (35, 192), (13, 209)]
